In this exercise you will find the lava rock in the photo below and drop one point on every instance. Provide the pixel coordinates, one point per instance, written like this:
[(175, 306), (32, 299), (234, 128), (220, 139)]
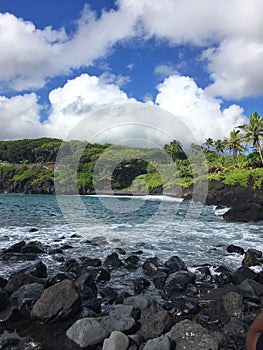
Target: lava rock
[(235, 249), (242, 274), (155, 325), (113, 260), (152, 265), (233, 304), (161, 343), (175, 263), (177, 282), (246, 213), (34, 247), (116, 341), (86, 286), (131, 262), (140, 284), (19, 279), (251, 259), (57, 301), (4, 302), (85, 261), (120, 310), (38, 270), (15, 248), (146, 305)]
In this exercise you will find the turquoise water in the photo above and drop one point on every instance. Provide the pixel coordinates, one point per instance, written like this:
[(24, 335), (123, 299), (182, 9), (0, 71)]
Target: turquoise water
[(162, 225)]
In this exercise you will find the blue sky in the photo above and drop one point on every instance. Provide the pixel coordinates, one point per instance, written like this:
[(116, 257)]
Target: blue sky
[(60, 59)]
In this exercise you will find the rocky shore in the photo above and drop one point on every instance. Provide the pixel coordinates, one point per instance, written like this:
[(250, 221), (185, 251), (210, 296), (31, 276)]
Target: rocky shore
[(126, 302)]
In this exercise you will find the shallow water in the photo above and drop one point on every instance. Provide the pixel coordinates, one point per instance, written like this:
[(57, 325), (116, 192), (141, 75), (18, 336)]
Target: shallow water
[(164, 227)]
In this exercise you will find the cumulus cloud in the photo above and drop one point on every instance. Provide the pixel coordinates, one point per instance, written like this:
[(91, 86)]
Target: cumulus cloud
[(19, 117), (235, 68), (165, 70), (29, 55), (201, 113)]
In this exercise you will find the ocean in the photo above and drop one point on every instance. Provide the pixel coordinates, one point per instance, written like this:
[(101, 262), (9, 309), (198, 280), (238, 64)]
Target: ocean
[(159, 226)]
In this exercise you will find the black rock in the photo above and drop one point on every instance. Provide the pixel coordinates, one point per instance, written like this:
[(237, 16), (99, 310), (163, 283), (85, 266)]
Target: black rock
[(159, 279), (182, 306), (19, 279), (72, 267), (109, 293), (24, 298), (113, 260), (86, 286), (177, 282), (131, 262), (102, 275), (92, 304), (55, 251), (15, 248), (38, 270), (3, 282), (250, 259), (245, 213), (250, 289), (235, 249), (152, 265), (85, 261), (34, 247), (242, 274), (3, 299), (58, 278), (175, 263), (18, 257), (140, 284), (33, 229), (66, 246)]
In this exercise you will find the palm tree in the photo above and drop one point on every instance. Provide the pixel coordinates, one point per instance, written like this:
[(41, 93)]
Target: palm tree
[(209, 143), (254, 132), (219, 146), (234, 143)]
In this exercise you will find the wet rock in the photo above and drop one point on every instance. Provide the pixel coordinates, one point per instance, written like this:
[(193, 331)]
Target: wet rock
[(155, 325), (177, 282), (146, 305), (34, 247), (235, 249), (234, 328), (90, 331), (246, 213), (86, 286), (251, 259), (33, 229), (242, 274), (72, 267), (116, 341), (120, 310), (159, 279), (24, 298), (203, 274), (250, 289), (152, 265), (38, 270), (233, 304), (191, 290), (140, 284), (98, 240), (57, 301), (58, 278), (182, 306), (109, 293), (4, 302), (256, 252), (90, 262), (15, 248), (175, 263), (66, 246), (190, 335), (102, 275), (18, 257), (161, 343), (113, 260), (3, 282), (19, 279), (132, 262)]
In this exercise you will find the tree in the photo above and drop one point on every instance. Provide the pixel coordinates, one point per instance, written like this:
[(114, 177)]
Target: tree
[(219, 146), (254, 132), (209, 143), (234, 143), (195, 148), (175, 150)]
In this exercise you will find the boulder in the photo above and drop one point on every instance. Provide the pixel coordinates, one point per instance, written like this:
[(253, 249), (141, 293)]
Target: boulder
[(161, 343), (251, 259), (246, 213), (175, 263), (57, 301), (19, 279), (90, 331), (35, 247), (113, 260), (3, 299), (242, 274), (177, 282), (235, 249), (24, 298), (120, 310), (15, 248), (152, 265), (140, 284), (155, 325), (146, 305), (86, 286), (116, 341), (233, 304), (190, 335), (131, 262)]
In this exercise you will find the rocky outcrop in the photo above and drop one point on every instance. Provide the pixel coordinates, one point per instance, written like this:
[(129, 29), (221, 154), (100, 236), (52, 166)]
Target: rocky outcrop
[(245, 213)]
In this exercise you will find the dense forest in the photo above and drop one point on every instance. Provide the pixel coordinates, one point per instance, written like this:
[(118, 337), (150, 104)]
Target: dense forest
[(28, 165)]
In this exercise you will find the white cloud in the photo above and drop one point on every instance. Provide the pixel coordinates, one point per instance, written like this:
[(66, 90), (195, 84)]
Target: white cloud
[(165, 70), (29, 56), (201, 113), (235, 68), (19, 117), (77, 99)]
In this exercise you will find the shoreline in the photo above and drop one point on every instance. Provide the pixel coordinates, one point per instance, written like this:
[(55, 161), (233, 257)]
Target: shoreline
[(214, 302)]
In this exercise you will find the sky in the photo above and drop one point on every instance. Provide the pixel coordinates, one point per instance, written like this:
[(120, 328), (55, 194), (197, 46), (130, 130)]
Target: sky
[(61, 61)]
